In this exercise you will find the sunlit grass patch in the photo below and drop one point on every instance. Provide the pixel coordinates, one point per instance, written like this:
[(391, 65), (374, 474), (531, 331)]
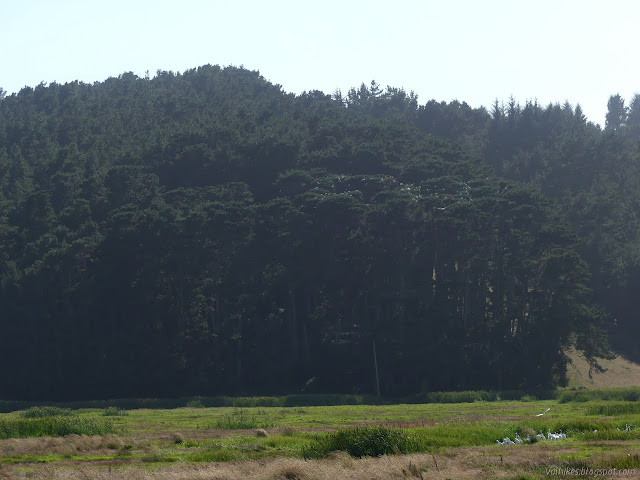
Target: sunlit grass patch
[(435, 429), (51, 458), (469, 434), (241, 447), (287, 446), (53, 427)]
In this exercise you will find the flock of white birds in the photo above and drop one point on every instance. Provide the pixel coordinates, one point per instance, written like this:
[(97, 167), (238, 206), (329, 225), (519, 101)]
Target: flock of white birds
[(540, 436), (550, 436)]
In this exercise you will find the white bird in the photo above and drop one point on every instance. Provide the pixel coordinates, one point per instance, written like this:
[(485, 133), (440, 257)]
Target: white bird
[(541, 414), (541, 436), (518, 439), (553, 436), (507, 441)]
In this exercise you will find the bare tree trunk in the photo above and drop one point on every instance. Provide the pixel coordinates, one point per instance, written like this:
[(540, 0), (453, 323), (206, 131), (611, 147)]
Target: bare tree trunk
[(293, 319)]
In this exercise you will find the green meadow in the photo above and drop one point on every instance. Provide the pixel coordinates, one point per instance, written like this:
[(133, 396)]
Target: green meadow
[(602, 428)]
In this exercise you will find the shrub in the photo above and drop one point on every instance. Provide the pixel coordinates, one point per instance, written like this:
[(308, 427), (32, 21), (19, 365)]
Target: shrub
[(362, 442)]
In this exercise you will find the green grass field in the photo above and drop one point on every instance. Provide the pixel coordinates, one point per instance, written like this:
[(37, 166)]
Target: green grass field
[(419, 440)]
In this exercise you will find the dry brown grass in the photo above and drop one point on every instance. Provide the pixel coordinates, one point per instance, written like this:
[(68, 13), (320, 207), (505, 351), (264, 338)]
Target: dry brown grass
[(620, 372), (478, 463), (71, 444)]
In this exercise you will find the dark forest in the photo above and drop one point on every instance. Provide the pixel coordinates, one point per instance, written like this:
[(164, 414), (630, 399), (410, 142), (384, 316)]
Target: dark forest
[(207, 233)]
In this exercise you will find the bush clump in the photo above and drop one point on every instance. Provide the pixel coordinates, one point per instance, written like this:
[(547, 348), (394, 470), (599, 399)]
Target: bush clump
[(362, 442)]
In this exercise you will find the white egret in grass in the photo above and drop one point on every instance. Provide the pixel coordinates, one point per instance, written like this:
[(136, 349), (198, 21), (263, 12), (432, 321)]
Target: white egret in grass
[(554, 436), (542, 414)]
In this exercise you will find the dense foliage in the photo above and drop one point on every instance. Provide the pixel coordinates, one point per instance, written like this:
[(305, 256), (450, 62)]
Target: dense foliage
[(207, 233), (362, 442)]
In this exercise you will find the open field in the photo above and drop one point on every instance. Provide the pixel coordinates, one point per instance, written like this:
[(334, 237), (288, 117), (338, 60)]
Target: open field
[(442, 440)]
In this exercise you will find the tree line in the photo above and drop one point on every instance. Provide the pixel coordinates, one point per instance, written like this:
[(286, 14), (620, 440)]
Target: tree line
[(206, 233)]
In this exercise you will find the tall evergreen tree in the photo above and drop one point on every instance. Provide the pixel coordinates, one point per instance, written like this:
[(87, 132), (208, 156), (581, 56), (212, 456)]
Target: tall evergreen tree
[(616, 113)]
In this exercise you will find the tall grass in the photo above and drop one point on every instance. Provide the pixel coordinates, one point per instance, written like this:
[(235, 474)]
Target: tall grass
[(53, 426), (294, 400), (430, 439), (362, 442), (620, 462), (214, 454), (627, 394), (614, 409), (239, 419), (46, 411)]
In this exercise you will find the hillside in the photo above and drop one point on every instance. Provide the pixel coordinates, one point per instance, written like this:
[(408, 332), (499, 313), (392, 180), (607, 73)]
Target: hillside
[(206, 233), (619, 372)]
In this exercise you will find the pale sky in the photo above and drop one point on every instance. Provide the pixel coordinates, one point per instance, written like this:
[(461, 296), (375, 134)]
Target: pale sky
[(581, 51)]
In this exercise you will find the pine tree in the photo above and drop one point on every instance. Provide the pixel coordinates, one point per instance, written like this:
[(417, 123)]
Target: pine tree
[(616, 113)]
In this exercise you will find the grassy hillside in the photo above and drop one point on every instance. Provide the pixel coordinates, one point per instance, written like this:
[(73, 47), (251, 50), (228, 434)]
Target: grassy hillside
[(620, 372)]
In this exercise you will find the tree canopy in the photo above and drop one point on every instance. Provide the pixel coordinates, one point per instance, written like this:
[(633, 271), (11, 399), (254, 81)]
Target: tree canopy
[(208, 233)]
